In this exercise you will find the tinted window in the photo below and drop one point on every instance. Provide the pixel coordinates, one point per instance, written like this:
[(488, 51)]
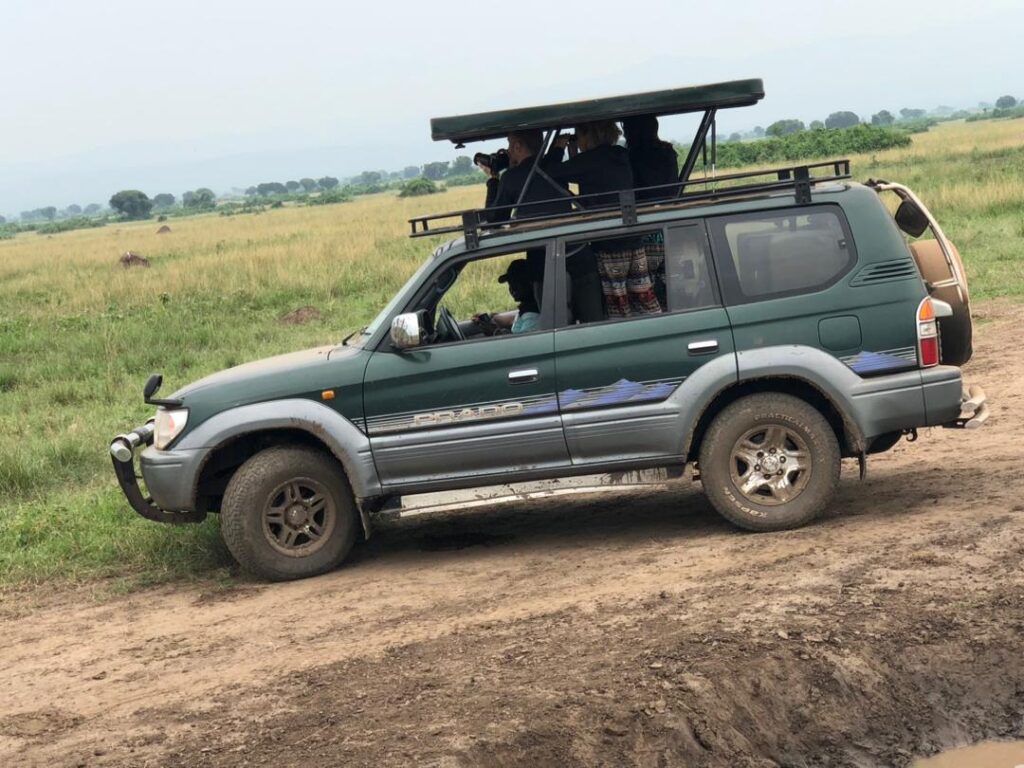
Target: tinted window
[(776, 254)]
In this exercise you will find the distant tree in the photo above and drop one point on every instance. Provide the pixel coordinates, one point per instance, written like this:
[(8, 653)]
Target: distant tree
[(251, 191), (462, 165), (327, 182), (308, 184), (842, 120), (816, 125), (163, 200), (734, 137), (435, 171), (783, 127), (3, 220), (410, 171), (758, 132), (201, 199), (883, 118), (132, 204), (73, 210), (49, 212), (293, 186), (271, 188), (1006, 102), (369, 178), (92, 209), (911, 114)]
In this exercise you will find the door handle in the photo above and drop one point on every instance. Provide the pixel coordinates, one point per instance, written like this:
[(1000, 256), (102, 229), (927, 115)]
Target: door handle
[(702, 347), (524, 376)]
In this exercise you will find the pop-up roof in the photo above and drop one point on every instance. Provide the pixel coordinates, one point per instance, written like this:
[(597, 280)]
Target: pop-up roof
[(698, 98)]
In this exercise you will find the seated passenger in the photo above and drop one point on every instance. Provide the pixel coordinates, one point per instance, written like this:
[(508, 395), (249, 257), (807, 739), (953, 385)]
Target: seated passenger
[(520, 277), (654, 162)]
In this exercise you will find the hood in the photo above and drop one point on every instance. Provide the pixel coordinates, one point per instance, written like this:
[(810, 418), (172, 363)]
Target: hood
[(278, 376)]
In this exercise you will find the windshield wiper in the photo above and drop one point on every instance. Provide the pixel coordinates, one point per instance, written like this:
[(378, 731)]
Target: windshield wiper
[(360, 332)]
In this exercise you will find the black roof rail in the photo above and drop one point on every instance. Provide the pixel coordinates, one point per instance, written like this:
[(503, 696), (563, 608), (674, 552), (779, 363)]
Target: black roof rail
[(474, 223)]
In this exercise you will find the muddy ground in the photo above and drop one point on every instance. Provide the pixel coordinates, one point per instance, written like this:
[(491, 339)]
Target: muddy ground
[(613, 629)]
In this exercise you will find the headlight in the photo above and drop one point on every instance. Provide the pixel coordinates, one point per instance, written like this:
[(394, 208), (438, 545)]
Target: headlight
[(168, 426)]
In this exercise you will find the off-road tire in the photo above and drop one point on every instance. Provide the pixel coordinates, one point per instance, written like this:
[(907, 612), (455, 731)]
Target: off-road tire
[(248, 493), (799, 419)]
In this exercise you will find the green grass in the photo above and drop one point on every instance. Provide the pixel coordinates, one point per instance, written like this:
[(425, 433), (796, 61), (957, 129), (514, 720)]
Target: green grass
[(79, 335)]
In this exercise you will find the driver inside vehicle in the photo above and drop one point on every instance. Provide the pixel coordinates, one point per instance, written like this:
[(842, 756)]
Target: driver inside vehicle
[(521, 279)]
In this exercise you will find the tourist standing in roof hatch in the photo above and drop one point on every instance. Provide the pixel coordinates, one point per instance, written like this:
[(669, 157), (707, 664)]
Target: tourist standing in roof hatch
[(603, 166), (655, 164)]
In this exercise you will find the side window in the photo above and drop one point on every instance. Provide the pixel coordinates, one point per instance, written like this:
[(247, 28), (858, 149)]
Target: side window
[(639, 274), (775, 254), (491, 296), (690, 283)]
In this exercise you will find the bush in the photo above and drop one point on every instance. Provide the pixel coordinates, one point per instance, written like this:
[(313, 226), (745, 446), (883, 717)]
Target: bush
[(329, 197), (417, 187), (66, 225), (808, 145), (467, 180)]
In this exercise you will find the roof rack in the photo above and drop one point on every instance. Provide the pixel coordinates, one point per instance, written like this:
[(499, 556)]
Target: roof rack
[(475, 223)]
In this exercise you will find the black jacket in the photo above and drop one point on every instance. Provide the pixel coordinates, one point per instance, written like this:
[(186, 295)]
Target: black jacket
[(653, 165), (506, 190), (601, 169)]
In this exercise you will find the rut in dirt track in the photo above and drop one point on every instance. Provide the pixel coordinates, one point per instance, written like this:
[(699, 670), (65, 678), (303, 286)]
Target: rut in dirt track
[(621, 629)]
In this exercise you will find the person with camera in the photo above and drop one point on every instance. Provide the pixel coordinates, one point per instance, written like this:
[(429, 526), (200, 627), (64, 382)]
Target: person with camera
[(505, 189)]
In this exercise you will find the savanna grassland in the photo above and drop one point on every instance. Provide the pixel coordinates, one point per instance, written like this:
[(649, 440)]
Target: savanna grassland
[(79, 334)]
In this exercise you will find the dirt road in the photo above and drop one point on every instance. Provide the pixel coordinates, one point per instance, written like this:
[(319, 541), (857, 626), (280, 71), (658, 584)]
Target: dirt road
[(613, 629)]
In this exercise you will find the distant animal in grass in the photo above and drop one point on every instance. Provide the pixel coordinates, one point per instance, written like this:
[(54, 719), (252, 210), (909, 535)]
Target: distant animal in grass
[(163, 230), (131, 259)]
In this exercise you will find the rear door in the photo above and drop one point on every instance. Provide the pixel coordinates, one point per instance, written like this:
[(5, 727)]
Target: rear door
[(618, 379)]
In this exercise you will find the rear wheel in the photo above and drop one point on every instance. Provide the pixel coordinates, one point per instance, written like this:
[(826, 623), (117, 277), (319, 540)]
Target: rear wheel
[(769, 462), (288, 513)]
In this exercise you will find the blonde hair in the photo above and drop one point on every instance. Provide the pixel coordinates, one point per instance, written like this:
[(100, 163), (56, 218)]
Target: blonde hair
[(590, 135)]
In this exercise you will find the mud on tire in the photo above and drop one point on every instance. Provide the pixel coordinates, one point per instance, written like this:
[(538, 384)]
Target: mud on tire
[(770, 462), (288, 513)]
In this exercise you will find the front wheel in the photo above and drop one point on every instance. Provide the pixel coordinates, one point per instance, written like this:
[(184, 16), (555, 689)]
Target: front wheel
[(288, 513), (770, 462)]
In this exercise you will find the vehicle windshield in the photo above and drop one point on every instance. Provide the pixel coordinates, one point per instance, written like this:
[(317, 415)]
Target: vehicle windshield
[(357, 339)]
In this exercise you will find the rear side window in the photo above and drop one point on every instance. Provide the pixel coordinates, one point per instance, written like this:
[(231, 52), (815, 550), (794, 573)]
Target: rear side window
[(770, 255)]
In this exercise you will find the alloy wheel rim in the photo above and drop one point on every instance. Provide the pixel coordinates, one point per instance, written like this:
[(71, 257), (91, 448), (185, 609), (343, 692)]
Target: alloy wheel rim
[(298, 517), (770, 464)]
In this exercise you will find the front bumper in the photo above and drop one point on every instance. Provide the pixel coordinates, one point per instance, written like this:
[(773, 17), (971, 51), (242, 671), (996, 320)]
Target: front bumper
[(122, 451)]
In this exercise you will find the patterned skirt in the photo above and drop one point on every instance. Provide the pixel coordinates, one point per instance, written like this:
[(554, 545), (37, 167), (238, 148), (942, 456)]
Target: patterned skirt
[(626, 283)]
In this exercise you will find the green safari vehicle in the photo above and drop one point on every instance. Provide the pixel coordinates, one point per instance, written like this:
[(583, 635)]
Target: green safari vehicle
[(799, 322)]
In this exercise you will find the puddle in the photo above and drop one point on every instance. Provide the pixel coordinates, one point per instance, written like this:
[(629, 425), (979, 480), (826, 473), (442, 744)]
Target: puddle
[(989, 754)]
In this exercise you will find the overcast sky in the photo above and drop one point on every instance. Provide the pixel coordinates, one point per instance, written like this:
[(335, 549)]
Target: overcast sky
[(169, 96)]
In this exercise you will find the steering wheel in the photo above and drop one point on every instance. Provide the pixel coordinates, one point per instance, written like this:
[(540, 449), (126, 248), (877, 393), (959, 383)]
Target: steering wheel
[(449, 325)]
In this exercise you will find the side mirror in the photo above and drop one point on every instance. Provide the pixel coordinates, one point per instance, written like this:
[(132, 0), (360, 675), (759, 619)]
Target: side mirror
[(406, 332), (911, 219)]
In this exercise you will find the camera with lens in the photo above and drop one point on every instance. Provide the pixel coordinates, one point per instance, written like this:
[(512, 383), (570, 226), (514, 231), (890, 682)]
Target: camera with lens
[(496, 162)]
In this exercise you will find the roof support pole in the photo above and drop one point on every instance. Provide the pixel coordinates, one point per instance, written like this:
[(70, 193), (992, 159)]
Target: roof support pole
[(696, 148)]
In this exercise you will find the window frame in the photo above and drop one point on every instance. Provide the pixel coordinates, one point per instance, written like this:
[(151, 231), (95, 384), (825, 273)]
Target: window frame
[(562, 285), (546, 324), (725, 264)]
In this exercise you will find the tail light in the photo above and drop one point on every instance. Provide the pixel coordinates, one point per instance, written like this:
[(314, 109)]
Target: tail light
[(927, 335)]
